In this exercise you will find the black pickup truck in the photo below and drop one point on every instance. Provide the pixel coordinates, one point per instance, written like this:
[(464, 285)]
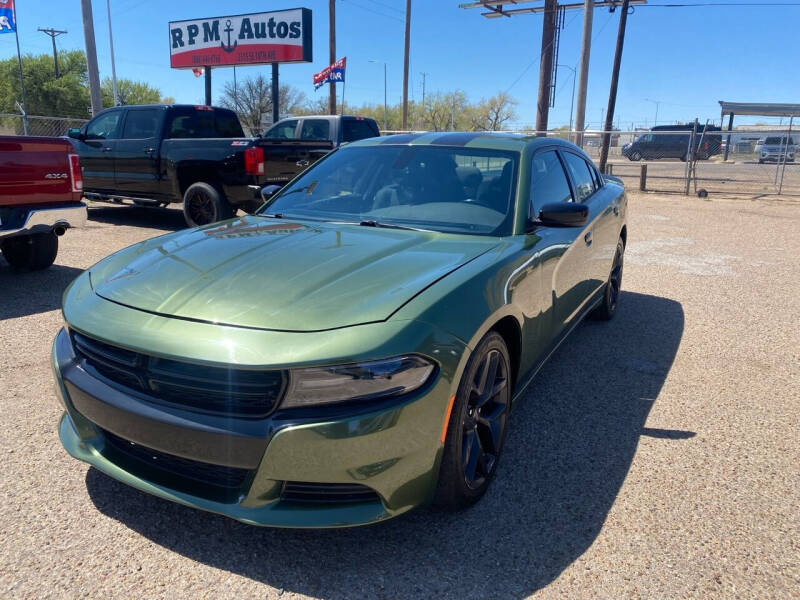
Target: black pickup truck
[(196, 155)]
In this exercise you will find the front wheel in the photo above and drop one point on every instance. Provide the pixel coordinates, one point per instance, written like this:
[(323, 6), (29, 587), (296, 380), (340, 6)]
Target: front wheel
[(606, 310), (204, 204), (635, 156), (32, 252), (477, 427)]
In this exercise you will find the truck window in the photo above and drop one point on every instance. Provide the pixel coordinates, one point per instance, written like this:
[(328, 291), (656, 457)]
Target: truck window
[(141, 124), (104, 127), (357, 129), (315, 129), (227, 124), (182, 126), (285, 130)]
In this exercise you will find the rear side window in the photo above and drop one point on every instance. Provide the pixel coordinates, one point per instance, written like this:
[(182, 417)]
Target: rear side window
[(285, 130), (581, 176), (104, 127), (315, 129), (141, 124), (226, 124), (548, 181), (357, 129), (193, 123)]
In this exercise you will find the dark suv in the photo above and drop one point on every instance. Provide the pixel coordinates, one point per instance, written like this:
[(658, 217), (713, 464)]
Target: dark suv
[(672, 141)]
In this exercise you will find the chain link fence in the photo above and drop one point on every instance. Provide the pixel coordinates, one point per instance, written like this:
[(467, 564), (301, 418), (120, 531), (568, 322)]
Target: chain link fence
[(14, 124)]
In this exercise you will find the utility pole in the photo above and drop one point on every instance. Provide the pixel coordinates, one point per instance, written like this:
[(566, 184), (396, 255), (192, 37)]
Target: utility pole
[(405, 65), (546, 65), (113, 64), (424, 75), (54, 33), (572, 102), (207, 70), (91, 57), (612, 94), (583, 80), (656, 102), (276, 101), (332, 52)]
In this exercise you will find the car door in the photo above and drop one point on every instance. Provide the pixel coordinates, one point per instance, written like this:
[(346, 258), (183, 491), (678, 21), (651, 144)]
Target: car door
[(603, 221), (137, 166), (97, 149), (565, 250)]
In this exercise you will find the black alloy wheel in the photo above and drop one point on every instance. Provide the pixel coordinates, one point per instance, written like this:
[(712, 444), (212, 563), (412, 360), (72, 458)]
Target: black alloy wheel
[(608, 307), (484, 421), (635, 156), (477, 428), (204, 204)]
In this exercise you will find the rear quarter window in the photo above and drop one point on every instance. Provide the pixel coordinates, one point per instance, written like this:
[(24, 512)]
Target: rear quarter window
[(358, 129)]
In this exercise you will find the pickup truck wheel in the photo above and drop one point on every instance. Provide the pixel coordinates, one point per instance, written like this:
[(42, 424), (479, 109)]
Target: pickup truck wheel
[(31, 252), (204, 204)]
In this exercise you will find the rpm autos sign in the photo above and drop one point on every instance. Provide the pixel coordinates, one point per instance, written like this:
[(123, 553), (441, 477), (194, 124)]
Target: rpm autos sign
[(279, 36)]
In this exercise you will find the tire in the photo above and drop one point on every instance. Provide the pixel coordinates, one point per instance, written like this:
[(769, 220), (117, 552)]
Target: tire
[(477, 427), (684, 157), (204, 204), (635, 156), (32, 252), (606, 310)]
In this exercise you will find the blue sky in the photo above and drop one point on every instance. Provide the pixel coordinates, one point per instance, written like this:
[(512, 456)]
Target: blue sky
[(685, 58)]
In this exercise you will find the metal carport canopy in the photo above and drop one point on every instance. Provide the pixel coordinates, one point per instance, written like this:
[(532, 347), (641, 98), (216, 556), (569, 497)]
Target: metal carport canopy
[(760, 110)]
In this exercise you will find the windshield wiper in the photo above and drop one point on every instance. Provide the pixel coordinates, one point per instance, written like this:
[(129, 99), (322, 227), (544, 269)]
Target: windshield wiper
[(371, 223)]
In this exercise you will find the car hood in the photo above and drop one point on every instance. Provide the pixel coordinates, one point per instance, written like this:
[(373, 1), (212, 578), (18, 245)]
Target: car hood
[(282, 275)]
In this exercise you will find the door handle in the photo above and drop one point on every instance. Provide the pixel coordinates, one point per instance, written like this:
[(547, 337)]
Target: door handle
[(106, 149), (588, 238), (302, 163), (149, 150)]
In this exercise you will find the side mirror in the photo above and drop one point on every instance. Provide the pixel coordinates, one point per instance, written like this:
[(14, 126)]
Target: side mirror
[(75, 133), (268, 191), (564, 214)]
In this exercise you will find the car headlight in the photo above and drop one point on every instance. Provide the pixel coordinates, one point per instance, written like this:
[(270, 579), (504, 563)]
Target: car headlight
[(358, 381)]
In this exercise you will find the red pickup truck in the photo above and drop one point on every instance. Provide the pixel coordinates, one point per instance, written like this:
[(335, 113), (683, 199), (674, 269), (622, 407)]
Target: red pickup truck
[(40, 198)]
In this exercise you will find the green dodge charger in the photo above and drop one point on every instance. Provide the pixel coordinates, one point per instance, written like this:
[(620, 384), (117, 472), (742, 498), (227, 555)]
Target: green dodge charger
[(353, 349)]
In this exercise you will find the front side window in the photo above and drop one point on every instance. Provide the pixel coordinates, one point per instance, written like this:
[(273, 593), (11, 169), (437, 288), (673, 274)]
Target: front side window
[(581, 176), (548, 181), (285, 130), (141, 124), (104, 127), (441, 188), (315, 129)]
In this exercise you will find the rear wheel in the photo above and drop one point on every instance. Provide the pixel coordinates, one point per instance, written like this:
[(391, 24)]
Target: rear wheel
[(31, 252), (204, 204), (608, 307), (477, 427)]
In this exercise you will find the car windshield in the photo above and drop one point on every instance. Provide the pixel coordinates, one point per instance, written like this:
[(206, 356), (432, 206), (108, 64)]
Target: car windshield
[(439, 188), (777, 141)]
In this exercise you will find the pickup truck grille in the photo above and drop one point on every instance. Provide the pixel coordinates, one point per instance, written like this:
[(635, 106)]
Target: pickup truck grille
[(220, 390)]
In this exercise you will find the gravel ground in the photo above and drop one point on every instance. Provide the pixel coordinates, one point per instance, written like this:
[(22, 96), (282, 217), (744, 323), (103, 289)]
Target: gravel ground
[(655, 456)]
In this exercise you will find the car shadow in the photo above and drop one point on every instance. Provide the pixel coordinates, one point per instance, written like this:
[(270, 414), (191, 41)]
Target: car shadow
[(33, 292), (165, 219), (570, 445)]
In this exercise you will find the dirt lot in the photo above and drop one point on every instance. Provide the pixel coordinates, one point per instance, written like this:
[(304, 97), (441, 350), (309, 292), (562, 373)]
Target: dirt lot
[(655, 456)]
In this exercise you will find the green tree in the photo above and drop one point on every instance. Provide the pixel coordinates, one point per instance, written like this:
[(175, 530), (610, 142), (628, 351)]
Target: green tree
[(130, 92), (65, 96)]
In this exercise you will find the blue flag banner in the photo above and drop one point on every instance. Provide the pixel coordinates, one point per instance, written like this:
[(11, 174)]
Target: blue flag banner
[(7, 24), (334, 73)]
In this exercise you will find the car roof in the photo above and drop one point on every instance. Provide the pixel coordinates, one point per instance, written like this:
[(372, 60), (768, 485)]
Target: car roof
[(478, 139)]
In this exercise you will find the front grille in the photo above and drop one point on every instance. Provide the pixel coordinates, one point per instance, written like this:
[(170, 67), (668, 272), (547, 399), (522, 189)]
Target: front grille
[(329, 493), (234, 392), (136, 457)]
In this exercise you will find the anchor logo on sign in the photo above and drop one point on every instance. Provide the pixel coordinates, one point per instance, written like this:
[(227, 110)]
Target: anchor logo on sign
[(228, 48)]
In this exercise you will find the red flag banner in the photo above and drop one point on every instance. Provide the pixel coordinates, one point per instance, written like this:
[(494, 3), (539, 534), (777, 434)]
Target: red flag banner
[(334, 72)]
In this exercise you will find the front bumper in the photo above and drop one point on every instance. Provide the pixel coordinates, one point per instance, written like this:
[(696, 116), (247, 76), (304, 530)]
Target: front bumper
[(43, 219), (393, 450)]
